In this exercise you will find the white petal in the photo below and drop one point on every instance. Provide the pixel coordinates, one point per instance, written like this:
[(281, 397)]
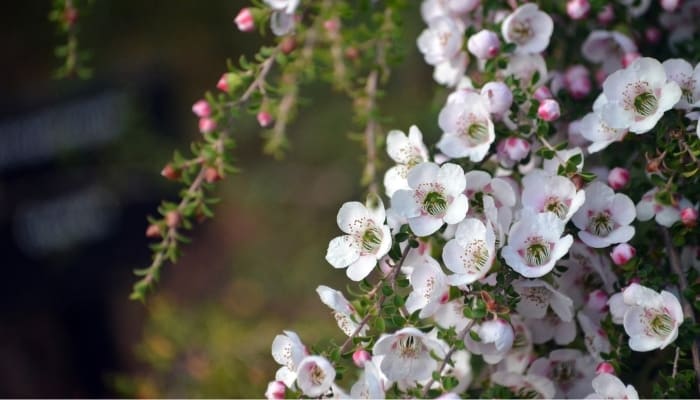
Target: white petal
[(457, 210), (404, 203), (342, 251), (359, 270), (425, 225), (352, 216)]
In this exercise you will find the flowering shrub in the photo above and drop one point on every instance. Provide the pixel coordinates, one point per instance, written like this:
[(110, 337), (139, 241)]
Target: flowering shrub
[(542, 247)]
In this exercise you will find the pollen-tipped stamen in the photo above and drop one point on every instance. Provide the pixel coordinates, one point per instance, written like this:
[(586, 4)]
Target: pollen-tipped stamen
[(434, 203), (645, 104), (601, 224), (662, 324), (557, 207), (478, 132), (537, 254), (371, 239)]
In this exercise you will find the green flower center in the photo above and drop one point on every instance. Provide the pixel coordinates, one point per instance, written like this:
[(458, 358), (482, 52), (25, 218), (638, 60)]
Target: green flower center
[(662, 324), (564, 371), (434, 203), (537, 254), (371, 239), (478, 132), (645, 104), (601, 224), (408, 347), (557, 207)]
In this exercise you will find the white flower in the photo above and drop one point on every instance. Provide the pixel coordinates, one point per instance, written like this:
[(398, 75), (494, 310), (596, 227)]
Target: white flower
[(441, 41), (525, 386), (369, 386), (451, 72), (288, 6), (608, 386), (651, 319), (681, 72), (288, 351), (407, 355), (529, 28), (484, 44), (605, 217), (315, 375), (551, 327), (535, 244), (607, 48), (343, 311), (512, 150), (495, 339), (544, 192), (498, 96), (430, 288), (570, 370), (648, 208), (451, 314), (407, 152), (638, 96), (593, 128), (520, 355), (467, 127), (435, 197), (536, 296), (587, 270), (470, 254), (367, 239)]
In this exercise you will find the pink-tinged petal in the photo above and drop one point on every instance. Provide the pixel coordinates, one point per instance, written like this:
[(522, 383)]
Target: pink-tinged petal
[(451, 177), (561, 247), (457, 210), (342, 251), (425, 225), (668, 216), (623, 210), (638, 295), (592, 240), (643, 343), (532, 309), (565, 333), (670, 94), (620, 235), (673, 305), (352, 217), (453, 146), (359, 270), (404, 203)]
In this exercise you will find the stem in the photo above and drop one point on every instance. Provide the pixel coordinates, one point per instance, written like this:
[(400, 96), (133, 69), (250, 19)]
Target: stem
[(370, 172), (550, 147), (447, 358), (675, 362), (688, 313), (391, 278)]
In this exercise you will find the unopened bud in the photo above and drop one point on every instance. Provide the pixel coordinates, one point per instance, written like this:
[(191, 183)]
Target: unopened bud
[(245, 20), (172, 219), (578, 181), (352, 53), (542, 93), (605, 368), (498, 97), (548, 110), (211, 175), (622, 253), (288, 44), (618, 178), (332, 25), (70, 15), (577, 81), (153, 231), (207, 125), (169, 172), (264, 119), (360, 357), (275, 390), (201, 109), (689, 216), (484, 44), (228, 82), (577, 9)]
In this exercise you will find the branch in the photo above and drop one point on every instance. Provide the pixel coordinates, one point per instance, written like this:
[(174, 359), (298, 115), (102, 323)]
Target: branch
[(688, 312), (370, 172), (447, 358)]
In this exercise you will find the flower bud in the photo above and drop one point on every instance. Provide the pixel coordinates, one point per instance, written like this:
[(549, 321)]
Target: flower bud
[(201, 109), (332, 25), (605, 368), (498, 97), (689, 216), (211, 175), (597, 300), (275, 390), (512, 150), (169, 172), (622, 253), (548, 110), (618, 178), (484, 44), (670, 5), (264, 118), (288, 44), (653, 35), (360, 357), (578, 9), (153, 231), (228, 82), (70, 16), (606, 15), (352, 53), (629, 58), (172, 219), (542, 93), (245, 20), (577, 81), (207, 125)]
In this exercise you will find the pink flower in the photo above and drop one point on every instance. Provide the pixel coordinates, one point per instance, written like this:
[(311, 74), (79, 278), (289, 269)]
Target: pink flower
[(578, 9), (542, 93), (512, 150), (548, 110), (360, 357), (689, 216), (206, 125), (622, 253), (604, 368), (618, 178), (264, 118), (484, 44), (244, 20), (275, 390), (201, 109)]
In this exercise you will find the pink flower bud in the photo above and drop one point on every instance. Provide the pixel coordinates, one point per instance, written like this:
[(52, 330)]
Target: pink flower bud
[(618, 178), (206, 125), (689, 216), (484, 44), (222, 84), (670, 5), (264, 118), (498, 96), (360, 357), (605, 368), (332, 25), (653, 34), (629, 58), (245, 20), (548, 110), (622, 253), (606, 15), (515, 148), (542, 93), (597, 300), (577, 9), (578, 81), (275, 390), (201, 109)]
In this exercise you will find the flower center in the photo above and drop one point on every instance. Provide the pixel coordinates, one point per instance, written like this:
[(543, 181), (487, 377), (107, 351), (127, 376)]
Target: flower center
[(408, 347), (645, 104), (557, 207), (662, 324), (521, 32), (478, 132), (601, 224), (434, 203), (476, 256), (371, 239), (687, 95), (563, 371), (537, 253), (317, 375)]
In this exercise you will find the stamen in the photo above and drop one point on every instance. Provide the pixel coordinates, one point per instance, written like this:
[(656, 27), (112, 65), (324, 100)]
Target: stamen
[(601, 224), (662, 325), (537, 254), (557, 207), (434, 203), (478, 132), (645, 104), (371, 239)]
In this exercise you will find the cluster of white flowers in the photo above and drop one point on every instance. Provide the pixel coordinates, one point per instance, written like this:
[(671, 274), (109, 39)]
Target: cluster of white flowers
[(498, 212)]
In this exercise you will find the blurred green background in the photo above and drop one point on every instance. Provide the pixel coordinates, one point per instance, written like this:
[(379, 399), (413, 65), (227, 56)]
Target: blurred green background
[(68, 328)]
